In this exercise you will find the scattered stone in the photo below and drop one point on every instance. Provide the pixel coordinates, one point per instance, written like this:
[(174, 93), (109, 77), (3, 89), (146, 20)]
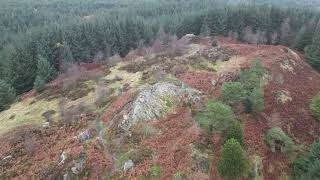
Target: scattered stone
[(257, 167), (214, 82), (284, 96), (117, 78), (214, 54), (63, 158), (279, 79), (46, 125), (229, 76), (159, 75), (267, 77), (78, 165), (5, 160), (188, 37), (67, 176), (83, 136), (288, 65), (200, 160), (128, 165)]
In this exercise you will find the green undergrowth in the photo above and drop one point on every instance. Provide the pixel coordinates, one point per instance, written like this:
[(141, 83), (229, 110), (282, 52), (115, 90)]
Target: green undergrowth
[(30, 110), (203, 66)]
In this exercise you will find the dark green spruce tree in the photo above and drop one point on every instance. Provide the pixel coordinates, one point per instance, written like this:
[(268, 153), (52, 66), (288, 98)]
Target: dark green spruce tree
[(44, 73), (312, 52)]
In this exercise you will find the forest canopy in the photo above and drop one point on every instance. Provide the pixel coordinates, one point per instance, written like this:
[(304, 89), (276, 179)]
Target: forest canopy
[(73, 31)]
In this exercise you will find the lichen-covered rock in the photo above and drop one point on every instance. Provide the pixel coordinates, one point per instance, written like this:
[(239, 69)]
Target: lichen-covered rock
[(79, 165), (5, 160), (63, 157), (155, 101), (216, 53), (128, 165), (200, 161)]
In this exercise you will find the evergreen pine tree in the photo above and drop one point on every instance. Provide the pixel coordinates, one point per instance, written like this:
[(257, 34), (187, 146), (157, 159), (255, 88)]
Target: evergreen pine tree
[(44, 69), (39, 84), (7, 94), (23, 63), (205, 30), (233, 162), (312, 52), (44, 73), (232, 93), (234, 131), (255, 101)]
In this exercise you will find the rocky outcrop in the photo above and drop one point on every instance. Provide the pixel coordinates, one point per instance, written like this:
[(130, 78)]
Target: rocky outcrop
[(155, 101)]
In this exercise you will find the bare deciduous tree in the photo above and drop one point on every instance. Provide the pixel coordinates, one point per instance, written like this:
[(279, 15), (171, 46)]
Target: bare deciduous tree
[(258, 37), (103, 93), (286, 32)]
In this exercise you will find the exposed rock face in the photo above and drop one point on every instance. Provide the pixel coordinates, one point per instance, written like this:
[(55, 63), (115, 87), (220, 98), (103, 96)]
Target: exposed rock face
[(216, 53), (201, 162), (79, 165), (127, 165), (155, 101)]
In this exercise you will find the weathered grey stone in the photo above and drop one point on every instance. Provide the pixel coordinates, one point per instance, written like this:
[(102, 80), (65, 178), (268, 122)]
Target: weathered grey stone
[(78, 165), (83, 136), (46, 124), (5, 160), (63, 157), (200, 160), (155, 101), (128, 165), (214, 82)]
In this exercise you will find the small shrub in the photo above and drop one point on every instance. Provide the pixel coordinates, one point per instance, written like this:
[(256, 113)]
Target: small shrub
[(215, 117), (176, 47), (7, 95), (234, 131), (257, 68), (215, 42), (70, 115), (31, 145), (39, 84), (155, 171), (113, 60), (44, 70), (139, 155), (103, 94), (179, 176), (278, 140), (307, 166), (232, 93), (251, 78), (315, 107), (247, 91), (76, 73), (255, 101), (233, 162), (149, 130), (121, 159)]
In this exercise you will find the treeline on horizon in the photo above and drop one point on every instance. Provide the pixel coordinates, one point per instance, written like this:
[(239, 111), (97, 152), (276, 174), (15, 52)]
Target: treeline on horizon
[(59, 32)]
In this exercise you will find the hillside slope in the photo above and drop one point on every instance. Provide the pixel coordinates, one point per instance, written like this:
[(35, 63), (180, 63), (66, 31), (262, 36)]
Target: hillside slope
[(135, 118)]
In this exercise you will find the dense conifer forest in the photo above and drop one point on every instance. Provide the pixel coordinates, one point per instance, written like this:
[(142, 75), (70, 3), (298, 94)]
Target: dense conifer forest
[(63, 32)]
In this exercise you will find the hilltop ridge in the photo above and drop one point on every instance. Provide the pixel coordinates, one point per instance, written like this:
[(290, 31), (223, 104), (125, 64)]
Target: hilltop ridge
[(135, 117)]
